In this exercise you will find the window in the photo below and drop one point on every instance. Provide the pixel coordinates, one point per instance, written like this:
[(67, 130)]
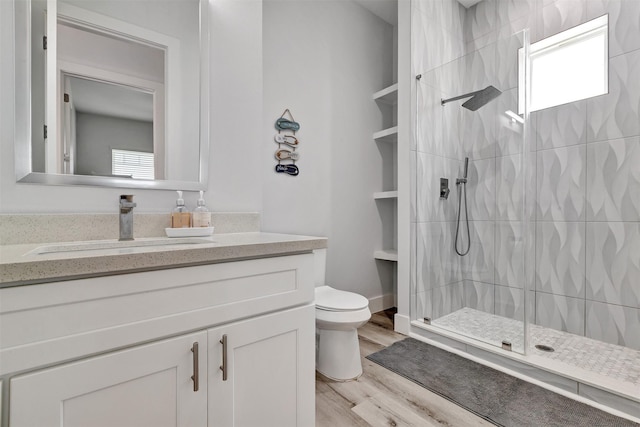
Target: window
[(570, 66), (132, 164)]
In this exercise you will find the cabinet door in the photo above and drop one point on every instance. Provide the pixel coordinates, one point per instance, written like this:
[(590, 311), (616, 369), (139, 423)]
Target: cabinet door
[(270, 363), (148, 385)]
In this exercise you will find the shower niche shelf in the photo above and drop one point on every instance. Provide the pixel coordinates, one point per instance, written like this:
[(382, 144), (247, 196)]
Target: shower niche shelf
[(386, 255), (387, 135), (385, 195)]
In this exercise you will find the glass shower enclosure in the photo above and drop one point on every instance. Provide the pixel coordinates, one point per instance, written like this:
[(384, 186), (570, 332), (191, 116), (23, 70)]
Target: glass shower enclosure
[(471, 163)]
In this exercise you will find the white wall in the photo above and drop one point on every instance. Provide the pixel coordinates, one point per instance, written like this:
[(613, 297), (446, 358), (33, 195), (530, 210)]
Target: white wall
[(323, 60), (236, 117)]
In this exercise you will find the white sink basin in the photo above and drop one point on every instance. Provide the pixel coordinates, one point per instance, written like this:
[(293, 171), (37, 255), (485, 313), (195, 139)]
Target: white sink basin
[(114, 244)]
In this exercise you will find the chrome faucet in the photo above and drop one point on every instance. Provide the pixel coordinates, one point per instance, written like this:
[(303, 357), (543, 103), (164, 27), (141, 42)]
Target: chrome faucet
[(126, 217)]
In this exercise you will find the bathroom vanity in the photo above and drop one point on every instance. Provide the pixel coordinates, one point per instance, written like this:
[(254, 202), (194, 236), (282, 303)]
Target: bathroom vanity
[(219, 333)]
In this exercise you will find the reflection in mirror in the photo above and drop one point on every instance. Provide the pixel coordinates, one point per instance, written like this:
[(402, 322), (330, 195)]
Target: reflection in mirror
[(101, 120), (115, 80)]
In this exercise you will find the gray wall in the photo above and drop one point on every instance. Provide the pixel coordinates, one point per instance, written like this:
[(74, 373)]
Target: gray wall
[(324, 60), (97, 135)]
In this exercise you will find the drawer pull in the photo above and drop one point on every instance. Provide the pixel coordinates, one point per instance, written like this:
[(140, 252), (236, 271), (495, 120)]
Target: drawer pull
[(223, 368), (196, 371)]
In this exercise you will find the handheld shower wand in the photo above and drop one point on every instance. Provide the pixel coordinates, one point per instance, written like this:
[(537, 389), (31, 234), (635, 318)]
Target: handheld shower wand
[(463, 181)]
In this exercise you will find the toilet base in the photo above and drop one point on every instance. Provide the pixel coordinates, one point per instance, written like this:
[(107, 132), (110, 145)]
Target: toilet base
[(338, 354)]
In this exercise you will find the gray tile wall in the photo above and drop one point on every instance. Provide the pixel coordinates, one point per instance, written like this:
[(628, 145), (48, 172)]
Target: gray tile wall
[(585, 228)]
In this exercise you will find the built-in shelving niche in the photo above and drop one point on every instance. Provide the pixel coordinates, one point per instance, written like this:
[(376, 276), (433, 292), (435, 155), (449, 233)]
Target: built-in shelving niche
[(386, 201)]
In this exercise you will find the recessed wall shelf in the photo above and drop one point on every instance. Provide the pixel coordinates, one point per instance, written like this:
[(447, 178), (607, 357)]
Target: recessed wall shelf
[(387, 135), (386, 255), (387, 95), (386, 195)]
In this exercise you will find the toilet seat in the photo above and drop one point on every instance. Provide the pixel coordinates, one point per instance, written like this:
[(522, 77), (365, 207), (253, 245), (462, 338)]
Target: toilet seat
[(330, 299)]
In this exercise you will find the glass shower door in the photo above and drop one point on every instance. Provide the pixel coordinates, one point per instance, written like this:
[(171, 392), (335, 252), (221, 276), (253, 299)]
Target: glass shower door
[(469, 242)]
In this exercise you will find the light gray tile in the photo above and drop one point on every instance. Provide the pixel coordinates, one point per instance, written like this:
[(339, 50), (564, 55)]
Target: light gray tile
[(617, 114), (481, 189), (509, 302), (509, 132), (436, 262), (478, 265), (429, 206), (447, 299), (614, 324), (480, 68), (424, 304), (478, 133), (561, 184), (511, 10), (560, 15), (624, 23), (560, 258), (560, 313), (480, 19), (613, 262), (429, 129), (509, 257), (479, 296), (562, 126), (509, 188), (613, 180), (435, 21)]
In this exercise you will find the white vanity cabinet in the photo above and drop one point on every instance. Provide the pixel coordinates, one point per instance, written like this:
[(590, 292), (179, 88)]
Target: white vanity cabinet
[(148, 385), (259, 371), (117, 350)]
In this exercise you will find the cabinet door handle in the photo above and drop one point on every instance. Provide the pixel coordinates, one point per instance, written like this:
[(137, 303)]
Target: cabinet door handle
[(223, 368), (196, 370)]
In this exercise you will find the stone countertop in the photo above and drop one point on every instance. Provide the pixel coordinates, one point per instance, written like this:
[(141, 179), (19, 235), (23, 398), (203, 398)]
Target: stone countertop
[(23, 265)]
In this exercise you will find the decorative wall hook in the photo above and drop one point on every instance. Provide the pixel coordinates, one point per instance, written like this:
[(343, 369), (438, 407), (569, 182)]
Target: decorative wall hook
[(284, 124)]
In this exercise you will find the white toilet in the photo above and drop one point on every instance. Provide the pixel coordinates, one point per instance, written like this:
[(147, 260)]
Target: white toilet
[(338, 316)]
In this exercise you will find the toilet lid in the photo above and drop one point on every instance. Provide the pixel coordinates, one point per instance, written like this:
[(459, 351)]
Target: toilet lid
[(331, 299)]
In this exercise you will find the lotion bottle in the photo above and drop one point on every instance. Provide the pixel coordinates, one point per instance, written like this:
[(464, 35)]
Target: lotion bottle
[(180, 217), (201, 215)]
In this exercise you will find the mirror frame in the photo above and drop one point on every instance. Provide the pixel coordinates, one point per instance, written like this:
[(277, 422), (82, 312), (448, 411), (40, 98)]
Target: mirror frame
[(22, 136)]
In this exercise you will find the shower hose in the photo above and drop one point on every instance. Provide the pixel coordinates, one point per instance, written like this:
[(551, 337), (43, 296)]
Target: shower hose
[(466, 217)]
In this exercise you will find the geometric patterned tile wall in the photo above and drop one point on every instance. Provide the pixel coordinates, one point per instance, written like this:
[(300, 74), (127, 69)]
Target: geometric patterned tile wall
[(586, 223)]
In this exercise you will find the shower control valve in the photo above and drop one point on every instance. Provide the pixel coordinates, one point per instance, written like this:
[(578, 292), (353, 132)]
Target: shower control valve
[(444, 188)]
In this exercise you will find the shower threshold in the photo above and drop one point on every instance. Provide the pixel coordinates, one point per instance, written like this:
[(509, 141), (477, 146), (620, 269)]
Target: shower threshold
[(606, 373)]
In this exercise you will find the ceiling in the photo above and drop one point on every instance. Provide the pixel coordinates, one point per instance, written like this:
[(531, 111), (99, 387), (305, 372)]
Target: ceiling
[(388, 9), (385, 9)]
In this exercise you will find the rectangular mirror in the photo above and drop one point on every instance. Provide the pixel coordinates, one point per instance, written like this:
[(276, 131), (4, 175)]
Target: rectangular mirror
[(112, 93)]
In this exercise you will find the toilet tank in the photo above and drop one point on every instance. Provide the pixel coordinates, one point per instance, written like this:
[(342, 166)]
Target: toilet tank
[(320, 265)]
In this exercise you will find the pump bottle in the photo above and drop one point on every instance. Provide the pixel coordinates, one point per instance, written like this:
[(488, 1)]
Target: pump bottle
[(201, 215), (180, 217)]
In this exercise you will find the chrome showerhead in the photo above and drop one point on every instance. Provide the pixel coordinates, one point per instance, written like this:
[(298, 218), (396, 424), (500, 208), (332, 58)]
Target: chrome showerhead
[(478, 99)]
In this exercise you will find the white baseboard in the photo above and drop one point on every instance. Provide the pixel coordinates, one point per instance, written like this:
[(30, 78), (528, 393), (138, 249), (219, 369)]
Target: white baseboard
[(382, 302), (402, 324)]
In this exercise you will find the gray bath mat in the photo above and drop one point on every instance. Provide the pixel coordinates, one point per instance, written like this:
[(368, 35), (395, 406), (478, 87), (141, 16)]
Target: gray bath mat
[(495, 396)]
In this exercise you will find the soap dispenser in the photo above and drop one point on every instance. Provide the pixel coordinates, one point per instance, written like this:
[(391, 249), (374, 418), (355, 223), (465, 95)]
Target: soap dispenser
[(201, 215), (180, 217)]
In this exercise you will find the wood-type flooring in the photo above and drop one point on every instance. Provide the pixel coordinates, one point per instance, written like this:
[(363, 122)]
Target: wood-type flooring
[(380, 397)]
